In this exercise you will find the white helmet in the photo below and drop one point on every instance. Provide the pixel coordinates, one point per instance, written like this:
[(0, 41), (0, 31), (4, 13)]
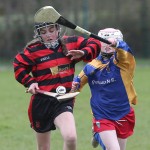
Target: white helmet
[(110, 33)]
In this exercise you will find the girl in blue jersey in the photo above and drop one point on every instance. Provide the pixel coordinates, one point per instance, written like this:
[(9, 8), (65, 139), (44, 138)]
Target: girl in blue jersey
[(110, 78)]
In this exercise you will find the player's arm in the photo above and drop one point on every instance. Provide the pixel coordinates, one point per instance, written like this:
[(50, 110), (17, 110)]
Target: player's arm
[(89, 48), (124, 57), (22, 68), (79, 81)]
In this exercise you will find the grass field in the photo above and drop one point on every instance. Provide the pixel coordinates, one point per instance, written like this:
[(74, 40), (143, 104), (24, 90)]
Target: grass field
[(15, 133)]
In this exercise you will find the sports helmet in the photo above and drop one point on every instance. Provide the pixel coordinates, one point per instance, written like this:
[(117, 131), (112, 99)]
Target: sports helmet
[(110, 33), (41, 20)]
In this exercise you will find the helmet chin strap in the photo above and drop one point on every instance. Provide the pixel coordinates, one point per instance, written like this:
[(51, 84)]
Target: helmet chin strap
[(106, 55)]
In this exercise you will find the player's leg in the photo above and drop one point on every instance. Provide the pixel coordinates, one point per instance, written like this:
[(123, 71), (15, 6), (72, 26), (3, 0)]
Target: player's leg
[(110, 140), (65, 122), (122, 143), (43, 141), (96, 140)]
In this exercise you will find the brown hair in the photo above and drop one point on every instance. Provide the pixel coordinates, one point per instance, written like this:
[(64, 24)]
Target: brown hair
[(34, 41), (63, 45)]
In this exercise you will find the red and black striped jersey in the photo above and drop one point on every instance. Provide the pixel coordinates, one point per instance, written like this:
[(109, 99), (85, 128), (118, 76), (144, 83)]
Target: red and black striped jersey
[(50, 67)]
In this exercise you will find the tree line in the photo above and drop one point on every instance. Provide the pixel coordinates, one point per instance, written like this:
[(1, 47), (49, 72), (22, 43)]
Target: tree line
[(131, 17)]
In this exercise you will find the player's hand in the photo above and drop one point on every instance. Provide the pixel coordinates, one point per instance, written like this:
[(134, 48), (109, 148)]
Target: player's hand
[(75, 84), (76, 54), (113, 42), (32, 88)]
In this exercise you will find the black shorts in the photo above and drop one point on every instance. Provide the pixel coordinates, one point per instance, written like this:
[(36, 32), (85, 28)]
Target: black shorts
[(44, 109)]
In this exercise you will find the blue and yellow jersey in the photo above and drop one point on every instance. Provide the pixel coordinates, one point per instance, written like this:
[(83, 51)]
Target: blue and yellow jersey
[(111, 83)]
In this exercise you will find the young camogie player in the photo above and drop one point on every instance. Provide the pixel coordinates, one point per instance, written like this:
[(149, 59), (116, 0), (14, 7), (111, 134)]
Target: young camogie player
[(47, 63), (110, 78)]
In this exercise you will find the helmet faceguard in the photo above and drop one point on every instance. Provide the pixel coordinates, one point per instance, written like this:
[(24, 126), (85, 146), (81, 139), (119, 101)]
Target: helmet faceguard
[(40, 26)]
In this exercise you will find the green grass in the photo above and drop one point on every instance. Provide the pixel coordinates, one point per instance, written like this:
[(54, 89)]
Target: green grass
[(15, 133)]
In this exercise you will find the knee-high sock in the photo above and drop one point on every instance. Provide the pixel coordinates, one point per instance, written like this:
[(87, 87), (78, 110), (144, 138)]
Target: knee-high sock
[(98, 139)]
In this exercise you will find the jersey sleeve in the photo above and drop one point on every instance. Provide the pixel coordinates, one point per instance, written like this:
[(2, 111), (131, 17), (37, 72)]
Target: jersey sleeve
[(91, 47), (23, 64), (83, 79), (89, 70), (124, 57), (126, 62)]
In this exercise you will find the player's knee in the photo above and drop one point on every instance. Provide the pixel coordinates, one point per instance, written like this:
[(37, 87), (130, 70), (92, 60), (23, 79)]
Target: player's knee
[(71, 139), (113, 147)]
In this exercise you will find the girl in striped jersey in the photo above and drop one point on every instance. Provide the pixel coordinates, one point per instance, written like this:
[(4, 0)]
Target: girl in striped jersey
[(110, 78), (46, 63)]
